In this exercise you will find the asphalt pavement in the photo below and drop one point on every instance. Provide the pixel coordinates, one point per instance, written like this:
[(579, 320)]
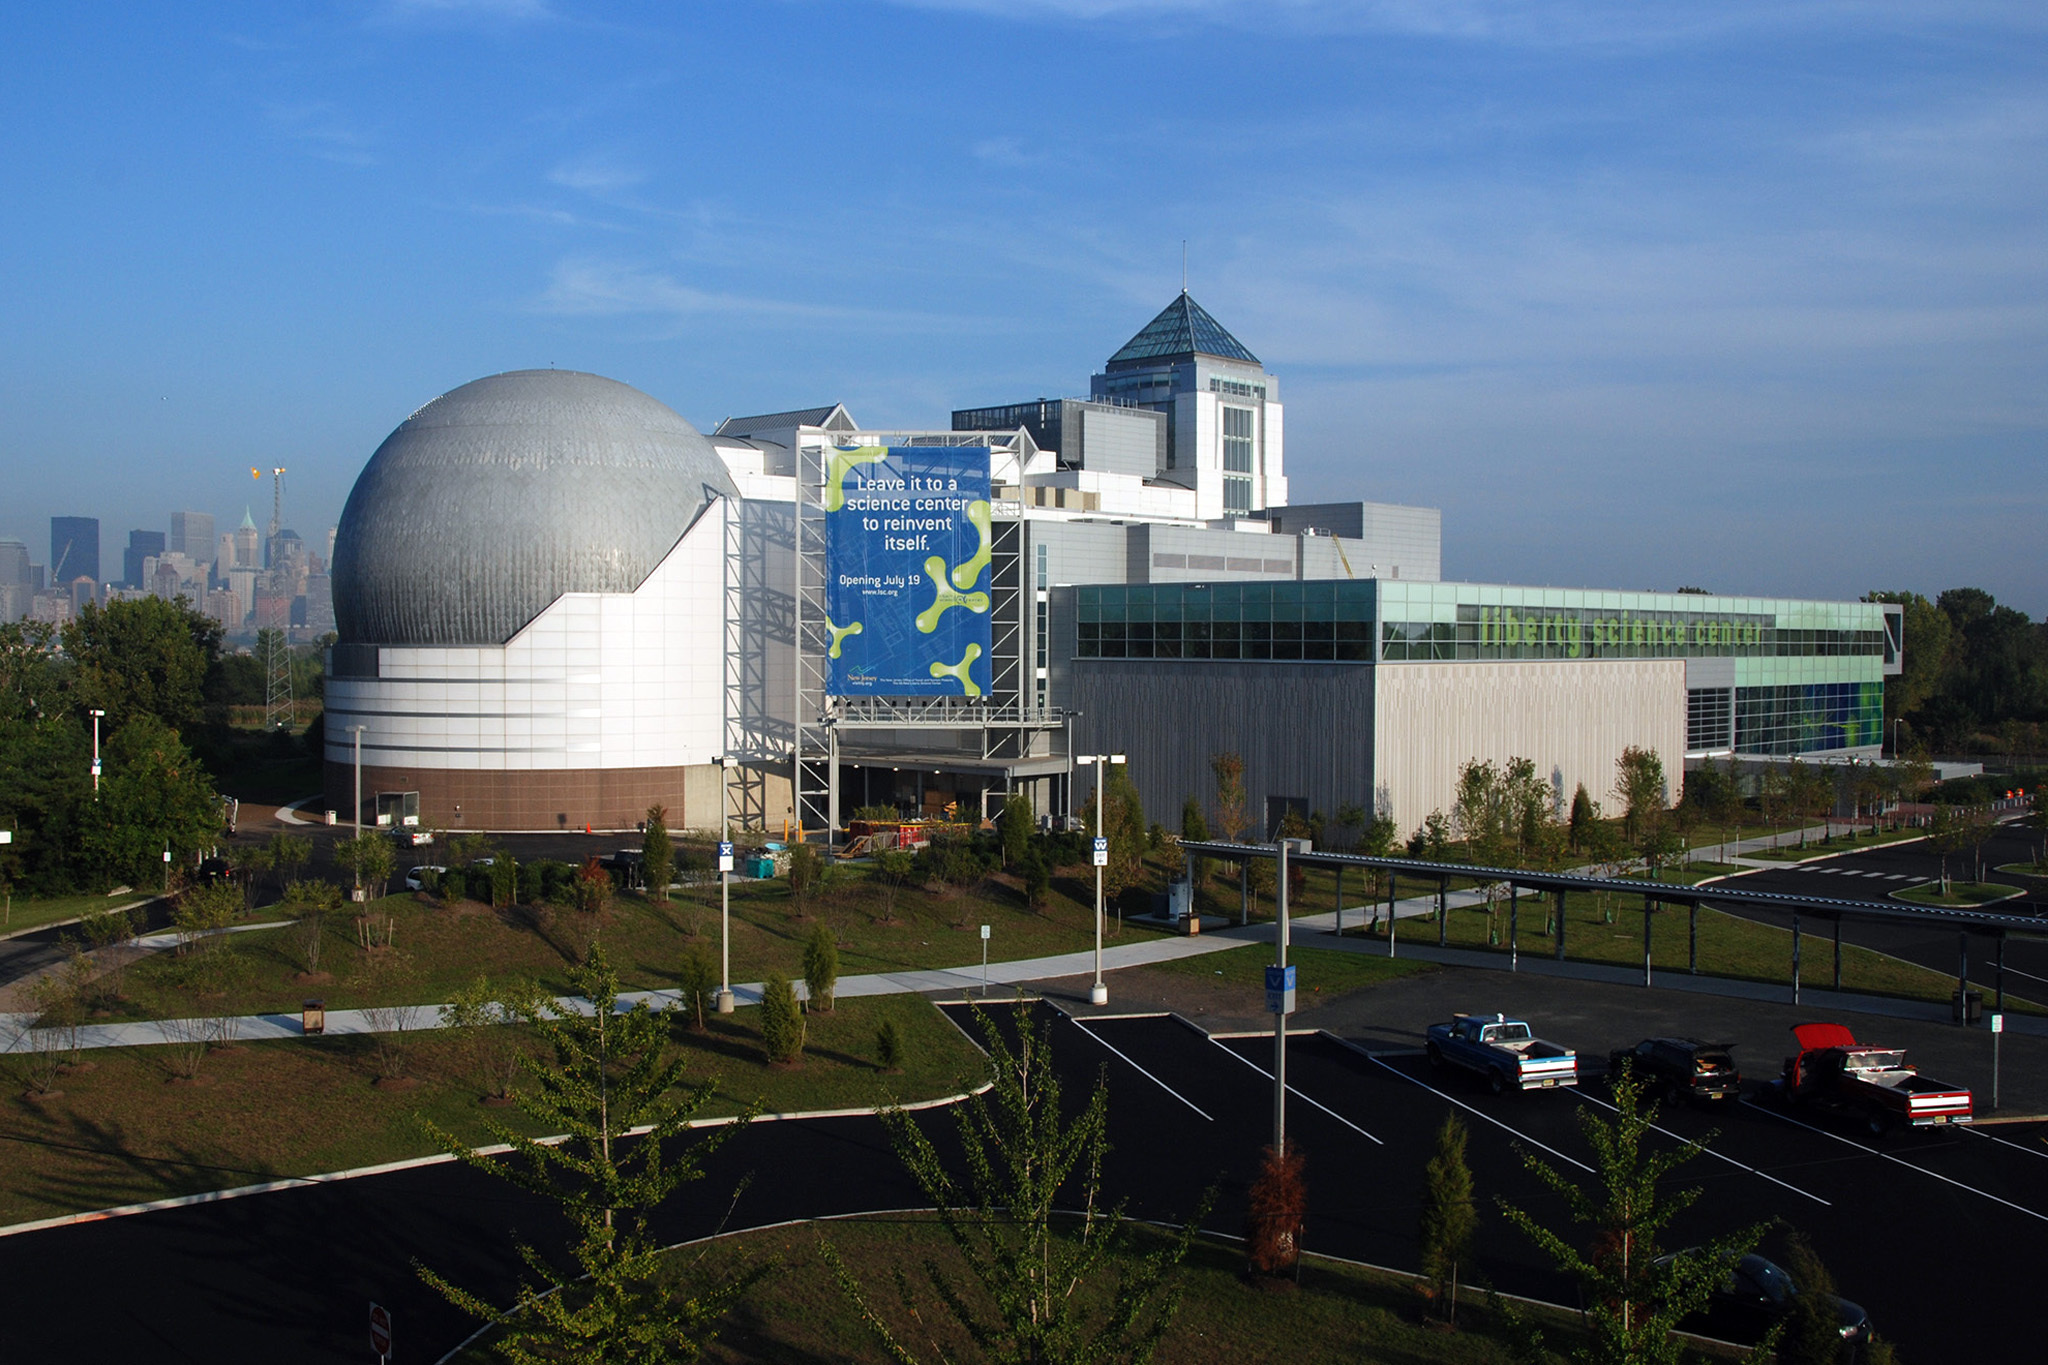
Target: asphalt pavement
[(1874, 874)]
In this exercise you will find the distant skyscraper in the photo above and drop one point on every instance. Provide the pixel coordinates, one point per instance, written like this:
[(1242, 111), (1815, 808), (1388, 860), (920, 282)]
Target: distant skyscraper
[(248, 544), (74, 549), (141, 545), (192, 535), (15, 583)]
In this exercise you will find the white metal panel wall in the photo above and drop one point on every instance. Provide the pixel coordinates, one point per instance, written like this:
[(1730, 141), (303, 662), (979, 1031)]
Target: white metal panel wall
[(597, 680), (1572, 719)]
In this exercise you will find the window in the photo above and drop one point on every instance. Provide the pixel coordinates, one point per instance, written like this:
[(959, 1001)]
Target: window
[(1237, 495), (1042, 626), (1237, 440)]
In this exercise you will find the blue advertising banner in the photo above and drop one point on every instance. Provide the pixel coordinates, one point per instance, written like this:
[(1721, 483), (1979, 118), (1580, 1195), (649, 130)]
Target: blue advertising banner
[(907, 571)]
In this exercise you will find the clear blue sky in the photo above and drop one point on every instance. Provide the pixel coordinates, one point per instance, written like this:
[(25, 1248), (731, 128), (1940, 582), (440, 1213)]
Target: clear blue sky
[(1743, 295)]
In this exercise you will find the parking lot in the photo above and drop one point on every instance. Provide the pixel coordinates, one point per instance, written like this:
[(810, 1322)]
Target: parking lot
[(1918, 1228), (1874, 874)]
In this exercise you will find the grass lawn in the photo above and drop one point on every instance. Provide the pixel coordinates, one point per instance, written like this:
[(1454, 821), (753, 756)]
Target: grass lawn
[(27, 912), (1729, 945), (127, 1131), (1960, 894), (2034, 871), (438, 947), (1790, 850), (1319, 969), (1340, 1314)]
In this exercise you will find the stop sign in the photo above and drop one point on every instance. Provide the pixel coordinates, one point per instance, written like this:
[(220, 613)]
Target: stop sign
[(380, 1329)]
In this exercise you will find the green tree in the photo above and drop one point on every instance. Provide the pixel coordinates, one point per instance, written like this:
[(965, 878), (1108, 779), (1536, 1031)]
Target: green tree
[(289, 854), (1925, 657), (1585, 811), (821, 966), (889, 1046), (612, 1072), (1123, 824), (1194, 827), (658, 853), (1813, 1328), (1022, 1297), (805, 870), (1449, 1218), (486, 1013), (698, 985), (894, 867), (370, 859), (1017, 824), (146, 657), (1233, 817), (782, 1023), (154, 795), (1037, 880), (1639, 789), (1635, 1296)]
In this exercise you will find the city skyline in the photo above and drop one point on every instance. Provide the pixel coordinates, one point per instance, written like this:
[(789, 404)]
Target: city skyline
[(1753, 298)]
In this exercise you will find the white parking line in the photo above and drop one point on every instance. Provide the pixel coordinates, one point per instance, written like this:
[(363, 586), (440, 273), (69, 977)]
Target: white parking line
[(1141, 1070), (1887, 1156), (1476, 1113), (1292, 1091), (2008, 1142), (1590, 1099)]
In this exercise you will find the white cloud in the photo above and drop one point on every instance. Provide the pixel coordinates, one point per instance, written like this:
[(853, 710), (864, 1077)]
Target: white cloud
[(597, 174), (324, 130)]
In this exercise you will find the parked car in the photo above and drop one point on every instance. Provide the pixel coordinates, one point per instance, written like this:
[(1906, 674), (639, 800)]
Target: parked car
[(213, 870), (1757, 1295), (1681, 1068), (1835, 1072), (410, 836), (416, 877), (1506, 1052)]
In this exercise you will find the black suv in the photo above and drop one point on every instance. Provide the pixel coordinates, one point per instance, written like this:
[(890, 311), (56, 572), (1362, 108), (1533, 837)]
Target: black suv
[(1681, 1068)]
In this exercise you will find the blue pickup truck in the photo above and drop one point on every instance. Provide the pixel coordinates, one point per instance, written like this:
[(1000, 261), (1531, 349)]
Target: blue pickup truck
[(1504, 1051)]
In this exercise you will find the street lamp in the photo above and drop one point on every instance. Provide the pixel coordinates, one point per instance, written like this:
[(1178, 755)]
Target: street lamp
[(725, 1000), (1098, 994), (96, 748), (357, 732)]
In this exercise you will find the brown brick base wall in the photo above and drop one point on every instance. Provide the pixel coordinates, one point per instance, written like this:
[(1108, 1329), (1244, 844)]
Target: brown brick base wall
[(603, 798)]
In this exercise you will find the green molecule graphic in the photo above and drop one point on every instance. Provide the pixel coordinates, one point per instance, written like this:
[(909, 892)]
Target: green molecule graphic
[(944, 599), (843, 461), (839, 633), (968, 687), (965, 574)]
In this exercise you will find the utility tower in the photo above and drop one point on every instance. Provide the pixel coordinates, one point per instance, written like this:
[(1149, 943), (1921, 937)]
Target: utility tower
[(277, 658)]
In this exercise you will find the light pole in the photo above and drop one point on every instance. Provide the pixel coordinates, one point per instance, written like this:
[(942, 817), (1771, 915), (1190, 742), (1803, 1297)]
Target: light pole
[(96, 748), (725, 1001), (356, 731), (1098, 994)]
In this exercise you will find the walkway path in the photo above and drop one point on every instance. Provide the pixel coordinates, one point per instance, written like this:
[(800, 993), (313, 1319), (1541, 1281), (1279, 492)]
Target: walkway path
[(1311, 930)]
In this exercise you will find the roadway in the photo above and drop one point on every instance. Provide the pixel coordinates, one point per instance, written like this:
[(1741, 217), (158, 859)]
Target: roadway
[(1874, 874), (1911, 1228)]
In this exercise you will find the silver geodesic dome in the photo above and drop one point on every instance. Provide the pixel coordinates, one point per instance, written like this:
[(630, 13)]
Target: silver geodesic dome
[(495, 499)]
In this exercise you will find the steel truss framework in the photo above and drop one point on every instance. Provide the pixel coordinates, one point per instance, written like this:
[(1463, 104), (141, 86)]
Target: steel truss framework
[(1657, 896), (1003, 725)]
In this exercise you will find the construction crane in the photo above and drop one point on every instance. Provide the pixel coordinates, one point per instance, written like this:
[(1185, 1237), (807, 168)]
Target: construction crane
[(278, 713)]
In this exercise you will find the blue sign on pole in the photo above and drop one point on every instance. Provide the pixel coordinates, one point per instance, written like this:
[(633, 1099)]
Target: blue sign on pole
[(724, 856), (908, 569), (1280, 990)]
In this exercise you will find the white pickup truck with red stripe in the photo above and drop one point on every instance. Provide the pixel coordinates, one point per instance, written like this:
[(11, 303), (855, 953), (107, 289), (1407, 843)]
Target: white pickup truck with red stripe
[(1834, 1071)]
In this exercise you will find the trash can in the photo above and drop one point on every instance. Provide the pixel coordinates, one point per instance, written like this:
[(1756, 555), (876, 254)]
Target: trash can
[(313, 1017), (1967, 1007)]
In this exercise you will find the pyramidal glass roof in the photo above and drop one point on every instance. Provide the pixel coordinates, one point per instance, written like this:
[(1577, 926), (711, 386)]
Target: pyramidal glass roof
[(1184, 327)]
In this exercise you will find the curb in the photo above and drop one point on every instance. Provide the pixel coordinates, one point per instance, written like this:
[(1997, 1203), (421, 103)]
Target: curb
[(439, 1159)]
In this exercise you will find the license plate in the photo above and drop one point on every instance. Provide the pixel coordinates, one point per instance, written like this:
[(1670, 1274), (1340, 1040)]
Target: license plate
[(1941, 1118), (1549, 1082)]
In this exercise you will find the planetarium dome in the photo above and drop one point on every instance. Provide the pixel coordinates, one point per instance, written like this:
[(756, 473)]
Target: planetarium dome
[(498, 497)]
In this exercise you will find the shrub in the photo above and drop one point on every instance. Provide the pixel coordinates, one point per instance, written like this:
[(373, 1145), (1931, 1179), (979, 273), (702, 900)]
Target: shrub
[(698, 985), (504, 880), (889, 1046), (821, 966), (658, 853), (782, 1024)]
